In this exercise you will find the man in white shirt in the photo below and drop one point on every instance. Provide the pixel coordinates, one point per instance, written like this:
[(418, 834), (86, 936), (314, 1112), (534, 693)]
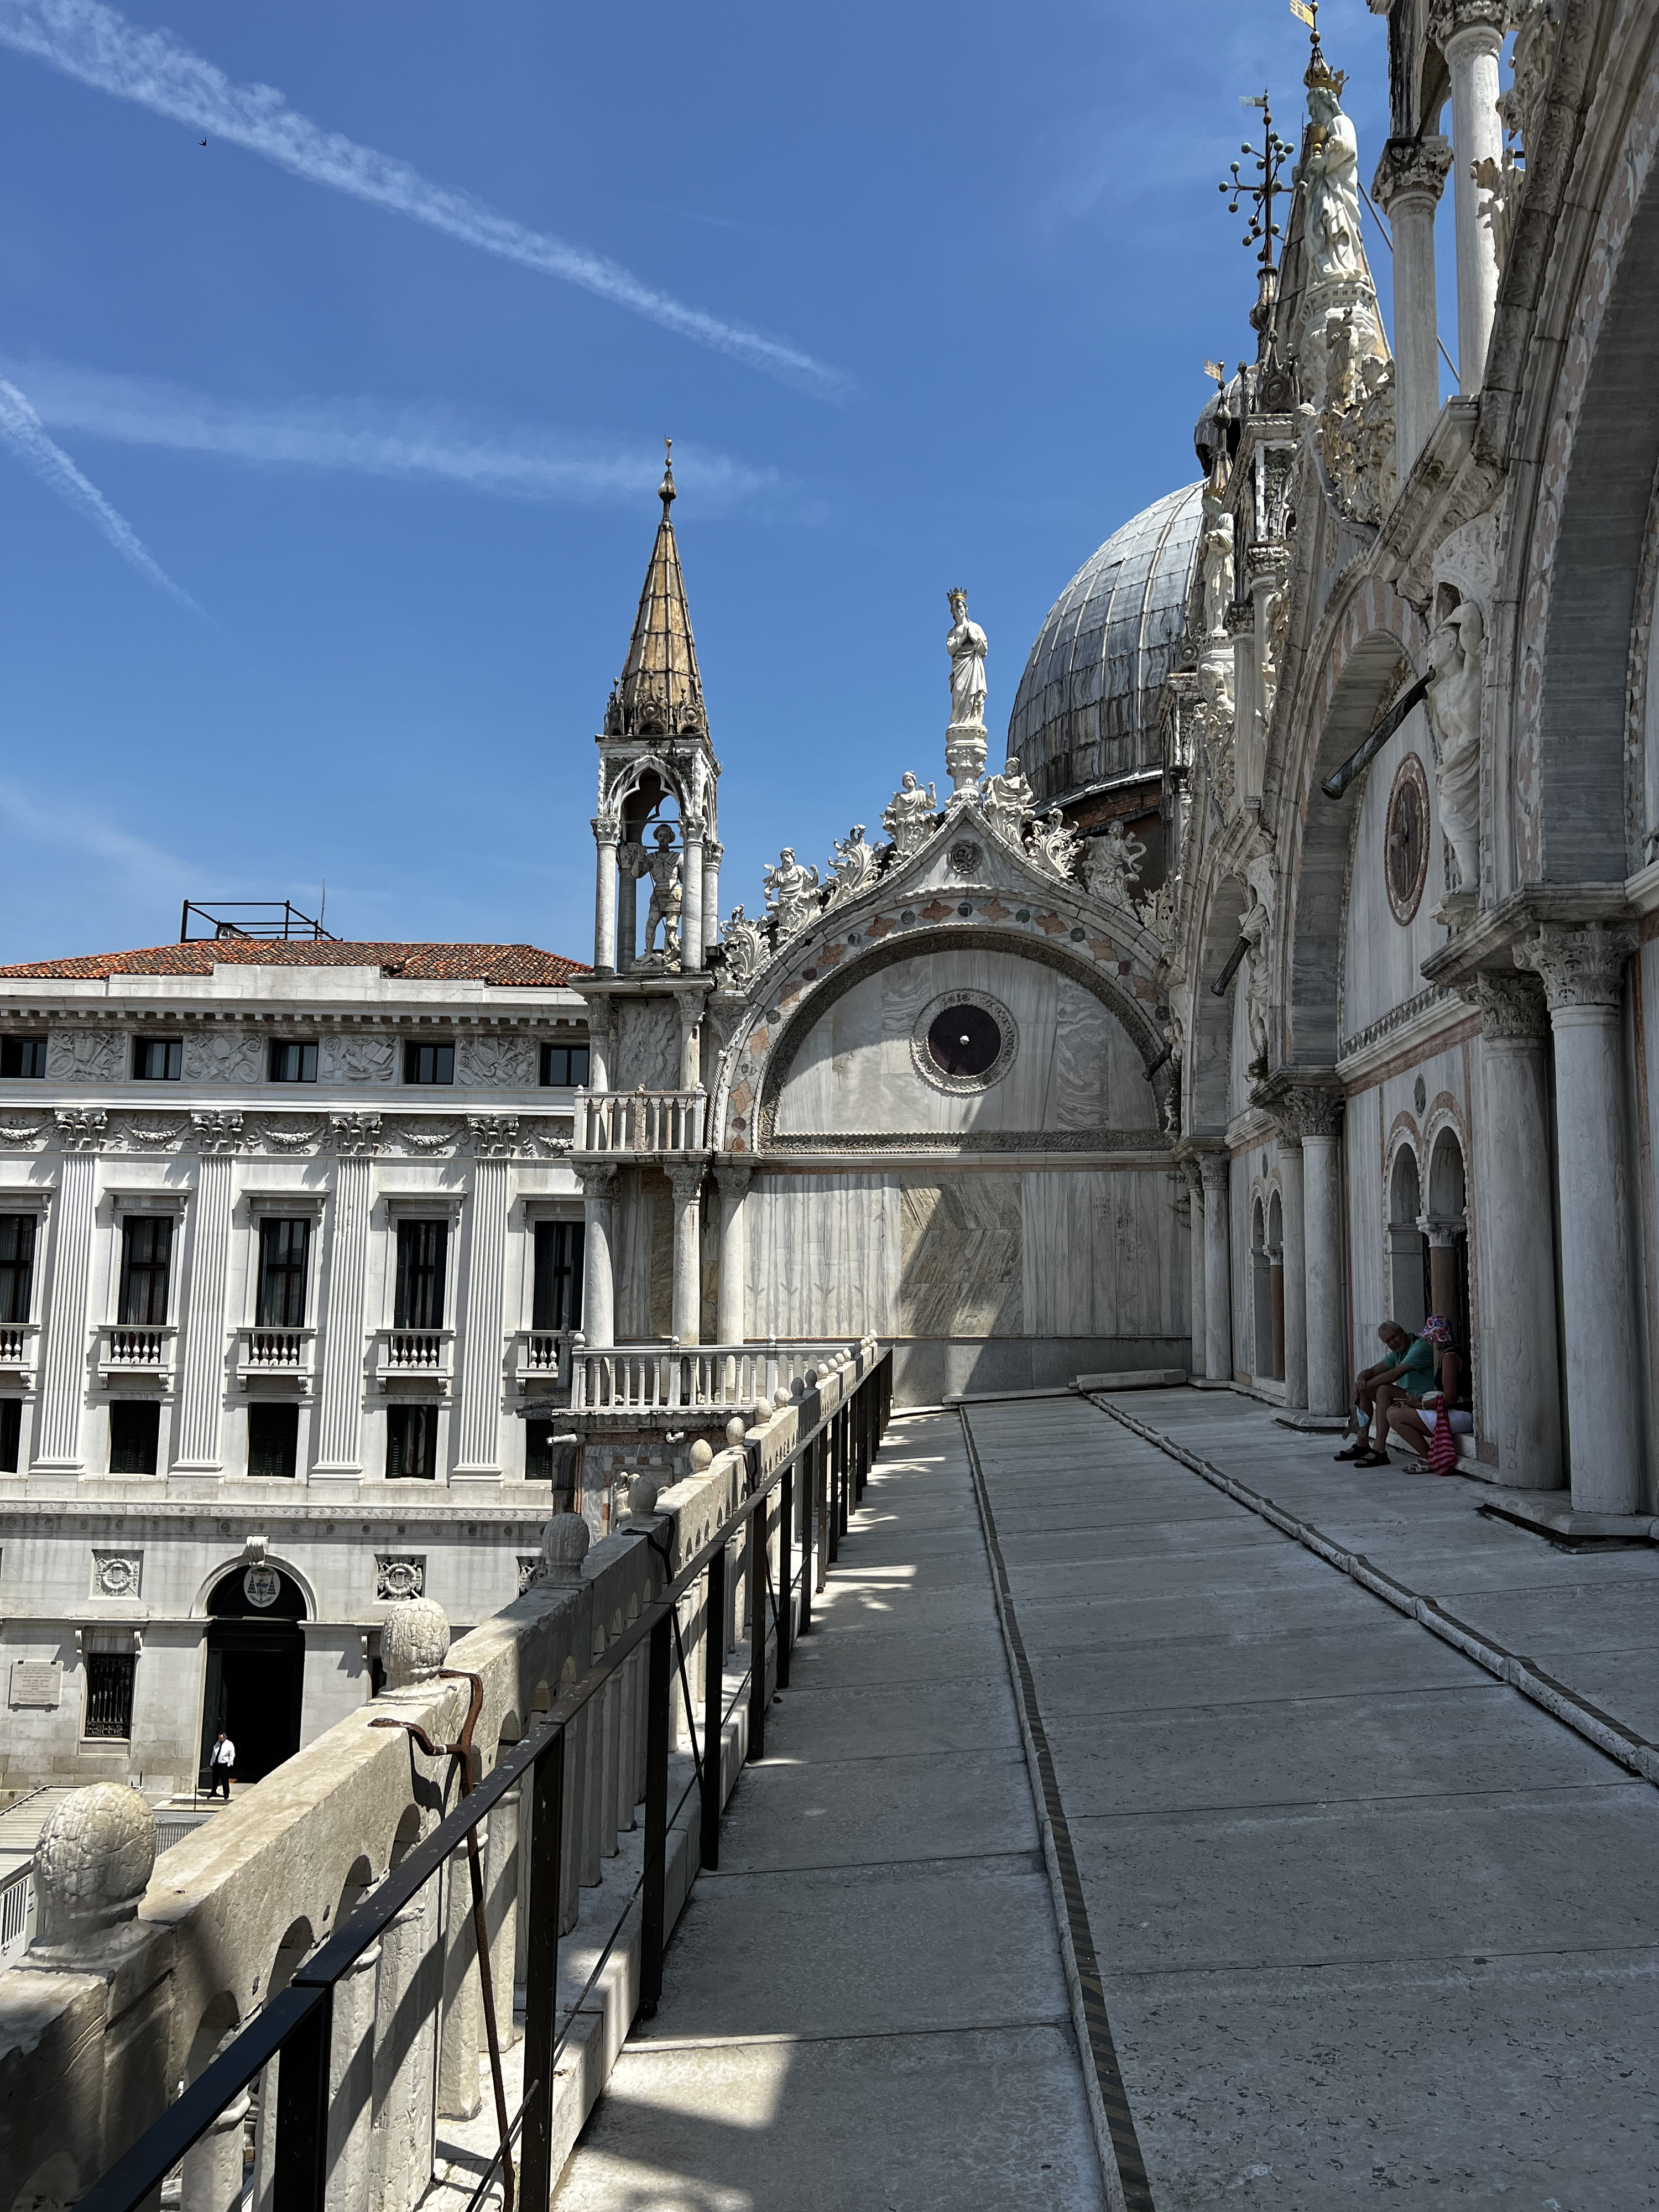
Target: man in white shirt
[(222, 1760)]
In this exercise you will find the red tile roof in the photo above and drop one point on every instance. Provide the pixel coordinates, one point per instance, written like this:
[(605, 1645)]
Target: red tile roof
[(526, 965)]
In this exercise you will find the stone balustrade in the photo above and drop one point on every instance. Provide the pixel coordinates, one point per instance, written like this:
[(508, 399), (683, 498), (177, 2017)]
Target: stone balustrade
[(719, 1377), (641, 1121)]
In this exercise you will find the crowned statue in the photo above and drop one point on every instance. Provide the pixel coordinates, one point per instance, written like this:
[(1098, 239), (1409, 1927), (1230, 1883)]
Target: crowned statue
[(1332, 173), (965, 740)]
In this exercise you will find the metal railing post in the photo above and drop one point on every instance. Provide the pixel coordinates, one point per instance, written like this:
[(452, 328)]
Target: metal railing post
[(786, 1595), (808, 1517), (755, 1575), (653, 1913), (300, 2181), (714, 1699), (541, 2015)]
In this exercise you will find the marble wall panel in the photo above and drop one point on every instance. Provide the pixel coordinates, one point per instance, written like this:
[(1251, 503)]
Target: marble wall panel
[(644, 1257), (1105, 1255), (823, 1254), (963, 1252), (1368, 1279), (647, 1045), (1382, 957)]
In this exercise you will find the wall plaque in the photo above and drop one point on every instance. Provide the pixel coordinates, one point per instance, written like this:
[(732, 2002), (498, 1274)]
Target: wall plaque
[(37, 1683)]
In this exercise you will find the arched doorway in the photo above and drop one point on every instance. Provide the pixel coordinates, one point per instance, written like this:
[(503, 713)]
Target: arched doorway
[(1261, 1294), (1408, 1288), (255, 1664), (1447, 1227)]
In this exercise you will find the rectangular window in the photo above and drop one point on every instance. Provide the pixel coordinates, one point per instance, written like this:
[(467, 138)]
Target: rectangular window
[(292, 1063), (564, 1065), (22, 1056), (109, 1693), (545, 1460), (146, 1258), (157, 1060), (420, 1294), (412, 1443), (135, 1436), (284, 1250), (558, 1298), (428, 1063), (11, 1434), (16, 1265), (273, 1442)]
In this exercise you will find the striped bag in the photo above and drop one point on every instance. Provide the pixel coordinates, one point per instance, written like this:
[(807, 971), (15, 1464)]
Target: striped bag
[(1441, 1454)]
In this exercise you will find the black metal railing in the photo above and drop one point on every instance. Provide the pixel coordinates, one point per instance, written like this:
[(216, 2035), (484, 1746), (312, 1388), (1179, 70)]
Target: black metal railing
[(824, 1474)]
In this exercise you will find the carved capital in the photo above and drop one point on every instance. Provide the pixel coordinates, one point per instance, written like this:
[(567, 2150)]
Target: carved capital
[(1317, 1112), (686, 1176), (733, 1178), (1579, 967), (691, 828), (80, 1129), (1411, 168), (494, 1136), (355, 1136), (713, 852), (595, 1181), (217, 1133), (607, 829), (1511, 1006), (1452, 20), (1213, 1167)]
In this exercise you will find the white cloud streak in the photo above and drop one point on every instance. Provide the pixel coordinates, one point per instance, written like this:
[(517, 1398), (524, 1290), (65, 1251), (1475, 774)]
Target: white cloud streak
[(22, 427), (98, 47), (72, 829), (420, 443)]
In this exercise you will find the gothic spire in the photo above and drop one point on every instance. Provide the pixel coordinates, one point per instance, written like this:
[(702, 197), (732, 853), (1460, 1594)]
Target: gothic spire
[(659, 692)]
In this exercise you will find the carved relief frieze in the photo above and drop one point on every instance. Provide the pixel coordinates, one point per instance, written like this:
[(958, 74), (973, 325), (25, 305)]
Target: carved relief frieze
[(494, 1136), (424, 1140), (358, 1058), (21, 1132), (223, 1055), (496, 1063), (87, 1055), (287, 1138), (399, 1577), (149, 1133), (80, 1129), (117, 1574)]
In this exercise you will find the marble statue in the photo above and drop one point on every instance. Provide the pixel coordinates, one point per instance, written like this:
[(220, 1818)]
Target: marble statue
[(907, 816), (1457, 652), (662, 866), (791, 892), (853, 866), (1009, 801), (744, 944), (966, 646), (1215, 554), (1255, 929), (1332, 174), (1052, 845), (1110, 864)]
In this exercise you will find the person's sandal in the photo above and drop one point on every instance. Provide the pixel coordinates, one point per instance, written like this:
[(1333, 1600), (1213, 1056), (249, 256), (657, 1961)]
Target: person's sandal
[(1373, 1459), (1353, 1451)]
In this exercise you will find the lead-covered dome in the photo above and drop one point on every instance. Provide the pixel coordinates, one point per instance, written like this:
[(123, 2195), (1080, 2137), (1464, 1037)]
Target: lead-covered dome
[(1087, 705)]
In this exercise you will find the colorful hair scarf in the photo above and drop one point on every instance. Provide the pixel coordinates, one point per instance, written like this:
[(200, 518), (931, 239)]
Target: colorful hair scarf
[(1439, 1331)]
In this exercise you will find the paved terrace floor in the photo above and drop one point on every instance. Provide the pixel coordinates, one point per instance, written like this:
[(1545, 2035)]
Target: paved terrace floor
[(1366, 1919)]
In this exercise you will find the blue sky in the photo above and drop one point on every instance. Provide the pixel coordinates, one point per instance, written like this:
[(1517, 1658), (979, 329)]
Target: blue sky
[(923, 297)]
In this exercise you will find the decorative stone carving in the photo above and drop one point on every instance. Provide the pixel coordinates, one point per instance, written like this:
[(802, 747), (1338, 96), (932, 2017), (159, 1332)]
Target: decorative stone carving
[(1273, 654), (1212, 718), (1457, 652), (1357, 405), (667, 896), (964, 857), (642, 1495), (965, 740), (792, 893), (87, 1055), (998, 1037), (496, 1063), (1053, 846), (217, 1133), (907, 816), (853, 866), (1330, 171), (1158, 913), (529, 1567), (220, 1055), (1536, 30), (744, 946), (1215, 558), (292, 1136), (354, 1134), (117, 1574), (565, 1540), (399, 1579), (426, 1139), (20, 1132), (1409, 166), (1110, 864), (414, 1643), (92, 1866), (1008, 801), (80, 1129), (1498, 207), (358, 1058), (494, 1136), (1511, 1007), (1256, 930), (1579, 967), (1317, 1113), (150, 1136)]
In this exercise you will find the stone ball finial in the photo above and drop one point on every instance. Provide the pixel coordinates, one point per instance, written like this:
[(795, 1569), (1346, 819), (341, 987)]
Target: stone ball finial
[(703, 1456), (809, 1380), (93, 1864), (762, 1414), (779, 1397), (736, 1429), (564, 1546), (413, 1642), (797, 1389), (642, 1495)]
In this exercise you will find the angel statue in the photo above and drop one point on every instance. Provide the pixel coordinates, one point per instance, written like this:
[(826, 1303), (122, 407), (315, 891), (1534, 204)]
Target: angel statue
[(1256, 928), (1052, 845), (1111, 864), (1009, 801), (662, 866), (791, 892), (853, 865), (907, 816), (1215, 555)]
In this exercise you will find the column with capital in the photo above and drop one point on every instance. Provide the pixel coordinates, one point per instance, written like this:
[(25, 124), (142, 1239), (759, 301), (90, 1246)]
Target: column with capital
[(1319, 1113), (202, 1341), (713, 853), (732, 1177), (340, 1395), (63, 1345), (692, 830), (1409, 181), (1584, 977), (1471, 36), (686, 1176), (1293, 1246), (494, 1139), (1195, 1264), (607, 832), (1217, 1269), (599, 1281)]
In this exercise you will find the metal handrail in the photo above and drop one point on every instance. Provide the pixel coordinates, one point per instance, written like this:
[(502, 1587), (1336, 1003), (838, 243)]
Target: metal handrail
[(835, 1455)]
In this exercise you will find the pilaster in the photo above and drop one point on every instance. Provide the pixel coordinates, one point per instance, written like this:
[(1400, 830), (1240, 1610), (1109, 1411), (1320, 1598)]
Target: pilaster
[(494, 1139), (202, 1347), (356, 1139), (63, 1349)]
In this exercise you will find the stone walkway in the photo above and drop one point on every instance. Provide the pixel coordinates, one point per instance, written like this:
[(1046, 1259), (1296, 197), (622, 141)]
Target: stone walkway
[(1367, 1919)]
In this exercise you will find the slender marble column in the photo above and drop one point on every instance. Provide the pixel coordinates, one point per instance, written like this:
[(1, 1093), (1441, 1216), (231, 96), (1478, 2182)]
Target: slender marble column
[(407, 1997), (1195, 1263), (628, 906), (1584, 975), (1217, 1269), (1410, 179), (211, 2179), (733, 1177), (64, 1307), (599, 1282), (351, 2085), (202, 1347), (1471, 53), (1320, 1113), (607, 831), (601, 1042), (1296, 1276), (687, 1180), (462, 2036), (713, 853), (690, 1013), (340, 1412), (692, 830), (495, 1138), (501, 1895)]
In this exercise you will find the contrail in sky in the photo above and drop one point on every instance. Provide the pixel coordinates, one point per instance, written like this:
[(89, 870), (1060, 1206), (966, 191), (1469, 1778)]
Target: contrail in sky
[(21, 425), (100, 48)]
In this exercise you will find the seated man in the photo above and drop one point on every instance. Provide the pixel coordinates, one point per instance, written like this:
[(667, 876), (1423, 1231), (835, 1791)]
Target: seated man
[(1412, 1420), (1410, 1365)]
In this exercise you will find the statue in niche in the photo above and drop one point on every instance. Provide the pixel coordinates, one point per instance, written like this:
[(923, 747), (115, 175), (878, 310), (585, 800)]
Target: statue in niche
[(744, 944), (1110, 864), (967, 647), (1332, 174), (662, 866), (853, 866), (907, 816), (791, 893), (1457, 652), (1255, 929), (1215, 553), (1052, 845), (1009, 801)]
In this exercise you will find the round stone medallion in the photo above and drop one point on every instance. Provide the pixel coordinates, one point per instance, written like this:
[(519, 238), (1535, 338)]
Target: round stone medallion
[(261, 1586), (1406, 839), (963, 1041), (964, 857)]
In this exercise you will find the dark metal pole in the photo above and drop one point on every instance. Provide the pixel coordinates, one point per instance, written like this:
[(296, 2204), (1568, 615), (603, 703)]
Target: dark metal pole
[(807, 1569), (653, 1913), (821, 1508), (755, 1575), (300, 2181), (541, 1975), (713, 1697), (786, 1595), (831, 1491)]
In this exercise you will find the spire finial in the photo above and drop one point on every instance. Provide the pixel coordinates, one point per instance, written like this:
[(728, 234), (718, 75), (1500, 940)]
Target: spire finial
[(665, 488)]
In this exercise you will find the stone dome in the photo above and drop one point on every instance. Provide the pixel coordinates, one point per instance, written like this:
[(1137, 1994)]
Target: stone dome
[(1087, 709)]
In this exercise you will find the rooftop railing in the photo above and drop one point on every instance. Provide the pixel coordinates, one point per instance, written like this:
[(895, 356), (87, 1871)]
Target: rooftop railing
[(641, 1120)]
